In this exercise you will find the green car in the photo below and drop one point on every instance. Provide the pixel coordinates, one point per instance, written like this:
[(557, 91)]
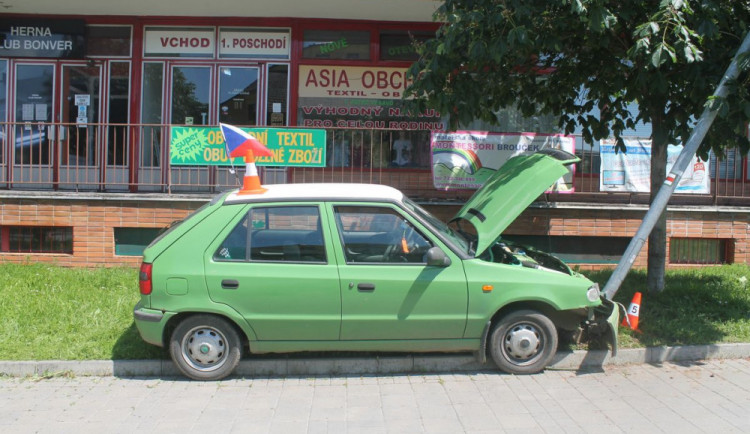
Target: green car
[(357, 267)]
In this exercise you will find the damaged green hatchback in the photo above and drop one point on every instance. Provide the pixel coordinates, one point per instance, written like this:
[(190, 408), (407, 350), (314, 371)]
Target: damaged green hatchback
[(351, 267)]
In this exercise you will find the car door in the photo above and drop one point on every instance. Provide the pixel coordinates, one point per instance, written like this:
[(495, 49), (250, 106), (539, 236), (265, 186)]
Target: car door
[(275, 268), (387, 290)]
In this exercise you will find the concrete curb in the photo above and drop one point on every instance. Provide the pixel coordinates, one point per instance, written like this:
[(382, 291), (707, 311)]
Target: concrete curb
[(407, 364)]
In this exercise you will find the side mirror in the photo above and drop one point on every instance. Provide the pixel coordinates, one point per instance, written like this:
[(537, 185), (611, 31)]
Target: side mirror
[(437, 258)]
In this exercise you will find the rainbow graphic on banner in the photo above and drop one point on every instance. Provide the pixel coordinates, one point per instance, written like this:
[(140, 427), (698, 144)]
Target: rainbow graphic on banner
[(461, 158)]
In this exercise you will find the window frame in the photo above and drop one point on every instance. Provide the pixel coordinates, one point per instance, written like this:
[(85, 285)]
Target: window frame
[(246, 221), (65, 231), (392, 210)]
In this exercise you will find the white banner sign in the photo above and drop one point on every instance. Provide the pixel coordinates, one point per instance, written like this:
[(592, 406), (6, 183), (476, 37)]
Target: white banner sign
[(254, 44), (631, 171), (179, 41), (466, 159)]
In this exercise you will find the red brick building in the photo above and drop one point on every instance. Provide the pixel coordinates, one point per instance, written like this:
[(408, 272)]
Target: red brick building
[(89, 94)]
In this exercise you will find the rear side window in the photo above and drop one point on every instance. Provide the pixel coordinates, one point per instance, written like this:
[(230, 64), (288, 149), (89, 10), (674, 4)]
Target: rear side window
[(276, 234)]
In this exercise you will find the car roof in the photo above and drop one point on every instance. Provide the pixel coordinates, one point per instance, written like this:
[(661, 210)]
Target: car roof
[(319, 191)]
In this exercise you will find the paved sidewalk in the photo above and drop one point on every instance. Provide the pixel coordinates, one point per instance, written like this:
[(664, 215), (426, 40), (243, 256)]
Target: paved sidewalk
[(702, 396)]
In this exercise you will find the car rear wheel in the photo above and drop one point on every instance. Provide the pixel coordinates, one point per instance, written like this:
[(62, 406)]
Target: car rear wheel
[(523, 342), (205, 347)]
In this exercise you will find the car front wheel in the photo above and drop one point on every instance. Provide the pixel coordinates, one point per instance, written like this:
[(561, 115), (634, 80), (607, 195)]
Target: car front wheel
[(205, 347), (523, 342)]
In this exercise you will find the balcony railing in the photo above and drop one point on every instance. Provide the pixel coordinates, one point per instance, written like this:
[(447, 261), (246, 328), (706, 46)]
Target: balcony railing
[(135, 158)]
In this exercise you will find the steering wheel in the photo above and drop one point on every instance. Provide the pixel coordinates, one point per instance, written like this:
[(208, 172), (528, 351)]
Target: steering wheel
[(394, 253)]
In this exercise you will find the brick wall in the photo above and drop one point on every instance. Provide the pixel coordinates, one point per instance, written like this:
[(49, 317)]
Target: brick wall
[(93, 224), (94, 221), (624, 223)]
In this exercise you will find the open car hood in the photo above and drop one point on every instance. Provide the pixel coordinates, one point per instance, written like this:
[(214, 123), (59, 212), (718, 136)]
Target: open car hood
[(510, 190)]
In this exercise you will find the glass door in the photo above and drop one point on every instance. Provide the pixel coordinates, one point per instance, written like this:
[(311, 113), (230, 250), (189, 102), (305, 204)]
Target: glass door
[(34, 84), (190, 89), (190, 104), (237, 104), (116, 134), (80, 120), (80, 144), (31, 136), (238, 95)]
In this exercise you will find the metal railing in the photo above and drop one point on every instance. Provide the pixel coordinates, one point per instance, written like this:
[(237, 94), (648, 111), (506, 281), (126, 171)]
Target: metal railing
[(135, 158)]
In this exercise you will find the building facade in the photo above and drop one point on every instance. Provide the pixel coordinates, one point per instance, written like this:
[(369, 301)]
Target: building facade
[(89, 97)]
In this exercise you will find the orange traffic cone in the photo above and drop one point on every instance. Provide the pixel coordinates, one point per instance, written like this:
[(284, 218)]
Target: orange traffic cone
[(631, 320), (251, 181)]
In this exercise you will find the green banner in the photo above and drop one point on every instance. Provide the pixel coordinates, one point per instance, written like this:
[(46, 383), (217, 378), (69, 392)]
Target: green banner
[(204, 146)]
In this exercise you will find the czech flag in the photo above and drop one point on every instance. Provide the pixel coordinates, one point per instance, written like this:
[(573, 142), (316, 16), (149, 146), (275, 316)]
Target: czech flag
[(239, 142)]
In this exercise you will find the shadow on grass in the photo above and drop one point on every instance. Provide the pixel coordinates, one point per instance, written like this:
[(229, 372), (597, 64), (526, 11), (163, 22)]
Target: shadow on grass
[(130, 346)]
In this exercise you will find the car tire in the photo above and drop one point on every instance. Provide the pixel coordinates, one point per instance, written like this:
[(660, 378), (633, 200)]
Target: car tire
[(523, 342), (205, 347)]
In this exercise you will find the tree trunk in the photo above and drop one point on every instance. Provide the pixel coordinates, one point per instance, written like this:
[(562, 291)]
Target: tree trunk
[(657, 240)]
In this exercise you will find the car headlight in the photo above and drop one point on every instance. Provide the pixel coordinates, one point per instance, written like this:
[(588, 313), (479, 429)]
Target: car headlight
[(593, 292)]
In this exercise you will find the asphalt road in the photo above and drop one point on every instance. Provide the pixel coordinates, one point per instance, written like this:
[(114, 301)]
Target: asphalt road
[(710, 396)]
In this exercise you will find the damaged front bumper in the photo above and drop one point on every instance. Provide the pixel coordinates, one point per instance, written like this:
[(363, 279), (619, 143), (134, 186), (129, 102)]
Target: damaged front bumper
[(603, 323)]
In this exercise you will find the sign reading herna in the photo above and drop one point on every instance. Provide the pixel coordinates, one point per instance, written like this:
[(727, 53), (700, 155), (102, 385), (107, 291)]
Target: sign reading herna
[(201, 146)]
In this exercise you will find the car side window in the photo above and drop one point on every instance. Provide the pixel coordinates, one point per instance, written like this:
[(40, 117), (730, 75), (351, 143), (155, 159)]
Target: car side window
[(234, 247), (373, 235), (277, 234)]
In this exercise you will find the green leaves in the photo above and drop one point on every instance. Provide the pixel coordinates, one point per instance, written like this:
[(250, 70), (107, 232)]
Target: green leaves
[(600, 18), (517, 36), (662, 53), (641, 59)]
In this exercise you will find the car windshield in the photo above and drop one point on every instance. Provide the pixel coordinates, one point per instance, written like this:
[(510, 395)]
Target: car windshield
[(456, 238)]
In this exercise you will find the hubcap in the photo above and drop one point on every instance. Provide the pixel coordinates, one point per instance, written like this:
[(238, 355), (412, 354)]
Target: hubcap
[(522, 343), (204, 348)]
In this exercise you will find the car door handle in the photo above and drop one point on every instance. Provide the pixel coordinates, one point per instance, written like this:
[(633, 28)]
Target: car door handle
[(366, 287), (230, 284)]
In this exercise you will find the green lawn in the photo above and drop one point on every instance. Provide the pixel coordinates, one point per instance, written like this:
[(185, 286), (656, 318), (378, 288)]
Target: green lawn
[(698, 306), (49, 312), (56, 313)]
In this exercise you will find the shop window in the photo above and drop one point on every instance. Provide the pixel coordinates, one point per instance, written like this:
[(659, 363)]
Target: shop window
[(400, 45), (278, 89), (590, 163), (700, 251), (33, 102), (3, 114), (238, 95), (151, 113), (108, 41), (132, 241), (332, 44), (728, 167), (576, 249), (119, 113), (191, 92), (365, 149), (36, 239)]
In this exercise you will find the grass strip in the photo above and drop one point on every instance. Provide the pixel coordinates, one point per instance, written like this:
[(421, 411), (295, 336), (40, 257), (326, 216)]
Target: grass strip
[(49, 312)]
